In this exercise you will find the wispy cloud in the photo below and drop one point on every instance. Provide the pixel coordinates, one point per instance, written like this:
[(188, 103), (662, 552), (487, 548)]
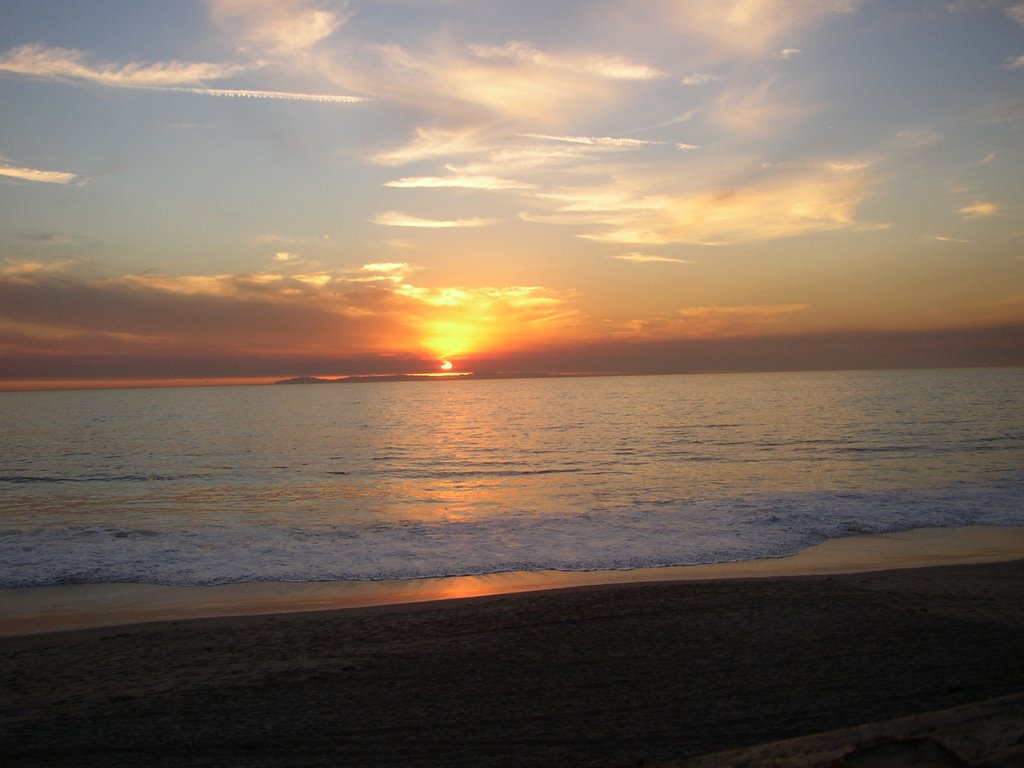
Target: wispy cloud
[(62, 64), (748, 27), (647, 258), (701, 78), (388, 267), (685, 117), (394, 272), (493, 153), (946, 239), (484, 92), (634, 211), (1016, 12), (460, 182), (1014, 62), (715, 321), (283, 95), (432, 143), (978, 209), (274, 238), (596, 141), (844, 166), (396, 219), (35, 174), (682, 147), (528, 158), (23, 268), (756, 111), (610, 67), (65, 64), (280, 27)]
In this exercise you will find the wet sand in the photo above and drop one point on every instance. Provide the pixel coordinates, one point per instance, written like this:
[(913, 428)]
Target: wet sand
[(82, 606), (615, 675)]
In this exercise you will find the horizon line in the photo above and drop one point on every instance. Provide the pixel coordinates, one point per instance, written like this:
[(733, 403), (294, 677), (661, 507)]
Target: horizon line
[(41, 384)]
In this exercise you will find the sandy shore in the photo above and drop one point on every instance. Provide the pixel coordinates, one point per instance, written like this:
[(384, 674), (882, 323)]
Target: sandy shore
[(83, 606), (615, 675)]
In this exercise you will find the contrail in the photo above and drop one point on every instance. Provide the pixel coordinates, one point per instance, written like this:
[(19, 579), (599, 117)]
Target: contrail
[(286, 95)]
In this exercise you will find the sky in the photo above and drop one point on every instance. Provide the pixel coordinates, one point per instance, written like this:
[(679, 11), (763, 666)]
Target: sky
[(274, 188)]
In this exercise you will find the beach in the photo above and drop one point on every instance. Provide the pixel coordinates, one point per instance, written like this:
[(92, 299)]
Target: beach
[(648, 673)]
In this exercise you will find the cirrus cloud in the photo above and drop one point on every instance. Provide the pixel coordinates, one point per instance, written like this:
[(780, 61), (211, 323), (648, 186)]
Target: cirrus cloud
[(280, 27), (610, 67), (748, 27), (647, 258), (796, 202), (458, 182), (397, 219), (612, 142), (67, 65), (979, 209), (35, 174), (36, 60)]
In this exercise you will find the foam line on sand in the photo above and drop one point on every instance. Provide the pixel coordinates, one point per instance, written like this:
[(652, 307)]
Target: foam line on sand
[(67, 607)]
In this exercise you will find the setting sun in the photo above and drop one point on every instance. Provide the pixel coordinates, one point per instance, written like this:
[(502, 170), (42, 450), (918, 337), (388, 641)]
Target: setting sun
[(496, 198), (316, 304)]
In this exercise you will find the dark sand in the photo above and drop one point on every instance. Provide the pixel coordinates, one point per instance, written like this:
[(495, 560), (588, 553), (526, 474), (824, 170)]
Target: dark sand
[(623, 675)]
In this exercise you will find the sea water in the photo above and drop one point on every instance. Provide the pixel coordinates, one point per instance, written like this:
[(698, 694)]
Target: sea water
[(412, 479)]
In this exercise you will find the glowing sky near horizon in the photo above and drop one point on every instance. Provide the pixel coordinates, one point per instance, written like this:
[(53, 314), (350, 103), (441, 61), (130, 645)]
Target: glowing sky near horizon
[(316, 182)]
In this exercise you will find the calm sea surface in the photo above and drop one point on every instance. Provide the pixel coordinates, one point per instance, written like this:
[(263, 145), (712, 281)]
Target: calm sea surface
[(398, 480)]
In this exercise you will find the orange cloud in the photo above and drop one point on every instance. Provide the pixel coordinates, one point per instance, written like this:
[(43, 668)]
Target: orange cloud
[(430, 143), (610, 67), (776, 206), (647, 258), (715, 322), (374, 311), (978, 209), (748, 27), (34, 174), (397, 219), (54, 324), (276, 26)]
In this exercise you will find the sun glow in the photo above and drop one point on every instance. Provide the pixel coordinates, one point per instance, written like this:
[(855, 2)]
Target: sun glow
[(446, 365), (451, 338)]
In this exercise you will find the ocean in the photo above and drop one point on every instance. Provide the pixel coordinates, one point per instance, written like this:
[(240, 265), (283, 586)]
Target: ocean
[(391, 480)]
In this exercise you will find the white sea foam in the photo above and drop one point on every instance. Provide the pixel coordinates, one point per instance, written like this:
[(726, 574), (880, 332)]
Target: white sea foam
[(208, 486), (723, 531)]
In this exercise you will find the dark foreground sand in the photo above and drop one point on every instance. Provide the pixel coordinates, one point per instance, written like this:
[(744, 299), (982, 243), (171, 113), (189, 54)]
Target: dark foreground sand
[(625, 675)]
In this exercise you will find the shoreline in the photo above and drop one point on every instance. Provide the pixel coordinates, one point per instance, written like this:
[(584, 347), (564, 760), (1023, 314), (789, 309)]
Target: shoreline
[(28, 611), (813, 668)]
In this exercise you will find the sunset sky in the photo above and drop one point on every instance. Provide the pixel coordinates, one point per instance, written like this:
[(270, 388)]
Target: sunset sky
[(276, 188)]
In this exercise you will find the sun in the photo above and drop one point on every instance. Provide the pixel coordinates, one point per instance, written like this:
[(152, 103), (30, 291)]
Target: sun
[(446, 365)]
